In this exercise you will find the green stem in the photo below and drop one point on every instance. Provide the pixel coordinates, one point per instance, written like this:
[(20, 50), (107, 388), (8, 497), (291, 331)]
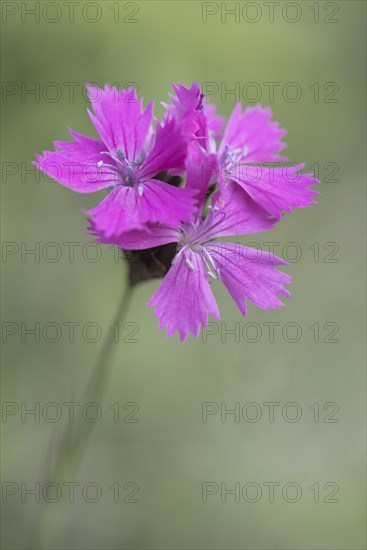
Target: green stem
[(75, 439), (97, 385)]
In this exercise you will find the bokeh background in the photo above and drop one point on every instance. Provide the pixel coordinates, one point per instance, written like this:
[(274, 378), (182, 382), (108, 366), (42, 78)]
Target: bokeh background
[(170, 452)]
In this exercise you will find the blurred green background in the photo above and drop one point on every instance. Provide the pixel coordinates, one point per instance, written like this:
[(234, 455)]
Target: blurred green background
[(170, 452)]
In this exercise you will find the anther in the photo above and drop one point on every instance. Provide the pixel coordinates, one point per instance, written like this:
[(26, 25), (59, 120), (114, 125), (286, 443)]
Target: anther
[(120, 153), (189, 264)]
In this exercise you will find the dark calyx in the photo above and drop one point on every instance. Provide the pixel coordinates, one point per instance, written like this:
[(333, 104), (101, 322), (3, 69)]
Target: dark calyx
[(152, 263)]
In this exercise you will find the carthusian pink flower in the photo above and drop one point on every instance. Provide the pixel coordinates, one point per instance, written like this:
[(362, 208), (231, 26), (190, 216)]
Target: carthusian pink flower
[(248, 154), (185, 299), (126, 161), (174, 188)]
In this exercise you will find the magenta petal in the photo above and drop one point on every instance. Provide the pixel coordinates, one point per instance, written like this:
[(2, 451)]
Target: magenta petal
[(120, 119), (185, 101), (200, 167), (149, 237), (256, 133), (75, 164), (166, 204), (250, 274), (184, 299), (215, 123), (169, 150), (278, 189), (190, 108), (140, 240), (234, 212), (128, 208), (186, 104), (118, 212)]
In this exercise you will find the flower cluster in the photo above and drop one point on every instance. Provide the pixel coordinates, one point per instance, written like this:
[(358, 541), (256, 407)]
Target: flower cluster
[(178, 185)]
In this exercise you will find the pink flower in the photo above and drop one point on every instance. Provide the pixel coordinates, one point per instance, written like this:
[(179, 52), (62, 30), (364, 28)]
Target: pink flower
[(236, 183), (184, 300), (126, 161), (248, 153)]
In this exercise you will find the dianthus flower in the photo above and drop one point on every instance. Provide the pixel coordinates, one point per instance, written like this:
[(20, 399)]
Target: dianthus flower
[(176, 187), (126, 161)]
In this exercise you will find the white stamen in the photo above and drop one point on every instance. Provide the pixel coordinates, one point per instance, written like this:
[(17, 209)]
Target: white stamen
[(189, 264), (140, 190), (212, 143), (209, 263), (100, 163)]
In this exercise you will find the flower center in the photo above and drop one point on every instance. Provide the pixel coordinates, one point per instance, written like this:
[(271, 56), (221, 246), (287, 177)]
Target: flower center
[(127, 172), (229, 160), (195, 237)]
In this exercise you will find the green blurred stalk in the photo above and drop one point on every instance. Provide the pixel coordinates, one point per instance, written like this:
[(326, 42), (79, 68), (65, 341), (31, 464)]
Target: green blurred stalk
[(70, 449)]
